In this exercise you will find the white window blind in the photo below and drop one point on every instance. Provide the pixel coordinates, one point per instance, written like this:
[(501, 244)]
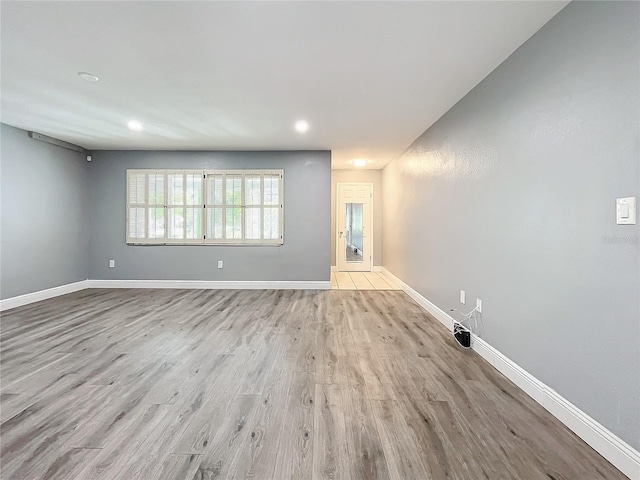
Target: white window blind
[(207, 207)]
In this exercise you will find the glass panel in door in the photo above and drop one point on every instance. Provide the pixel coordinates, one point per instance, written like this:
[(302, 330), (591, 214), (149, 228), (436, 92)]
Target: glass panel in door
[(354, 240)]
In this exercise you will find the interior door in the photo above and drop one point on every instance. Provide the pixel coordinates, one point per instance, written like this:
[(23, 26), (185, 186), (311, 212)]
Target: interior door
[(354, 241)]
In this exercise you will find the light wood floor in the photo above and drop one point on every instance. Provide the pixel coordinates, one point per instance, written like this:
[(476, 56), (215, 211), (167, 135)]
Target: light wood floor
[(360, 281), (202, 385)]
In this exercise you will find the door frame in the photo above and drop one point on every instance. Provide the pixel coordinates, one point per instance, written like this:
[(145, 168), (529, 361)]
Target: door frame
[(370, 221)]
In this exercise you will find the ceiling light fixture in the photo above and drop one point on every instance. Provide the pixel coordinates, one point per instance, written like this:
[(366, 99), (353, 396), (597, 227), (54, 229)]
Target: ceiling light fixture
[(89, 77), (302, 126), (359, 162), (135, 125)]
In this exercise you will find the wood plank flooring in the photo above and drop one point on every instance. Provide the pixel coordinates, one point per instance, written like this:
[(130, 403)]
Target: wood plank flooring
[(302, 385)]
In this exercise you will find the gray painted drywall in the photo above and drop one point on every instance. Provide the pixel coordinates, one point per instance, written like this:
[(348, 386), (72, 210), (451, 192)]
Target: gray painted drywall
[(303, 257), (511, 196), (359, 176), (43, 237)]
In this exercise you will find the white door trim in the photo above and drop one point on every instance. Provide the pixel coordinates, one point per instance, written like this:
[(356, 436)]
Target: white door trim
[(337, 223)]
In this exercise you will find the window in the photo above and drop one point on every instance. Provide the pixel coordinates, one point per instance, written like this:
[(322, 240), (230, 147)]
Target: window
[(169, 207)]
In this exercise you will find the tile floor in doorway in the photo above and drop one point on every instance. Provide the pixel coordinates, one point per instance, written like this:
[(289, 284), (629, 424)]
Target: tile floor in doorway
[(360, 281)]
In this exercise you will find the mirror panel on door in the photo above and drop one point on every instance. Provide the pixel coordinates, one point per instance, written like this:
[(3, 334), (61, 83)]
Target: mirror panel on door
[(354, 240)]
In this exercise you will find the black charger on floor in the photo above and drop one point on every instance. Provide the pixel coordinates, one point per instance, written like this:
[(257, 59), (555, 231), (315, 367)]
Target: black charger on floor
[(463, 336)]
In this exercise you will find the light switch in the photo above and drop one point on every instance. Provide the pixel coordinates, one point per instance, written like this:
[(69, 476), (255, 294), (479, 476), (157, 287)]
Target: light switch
[(626, 211)]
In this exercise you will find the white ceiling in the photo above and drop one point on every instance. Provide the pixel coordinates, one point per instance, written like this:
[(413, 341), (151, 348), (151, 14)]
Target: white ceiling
[(369, 77)]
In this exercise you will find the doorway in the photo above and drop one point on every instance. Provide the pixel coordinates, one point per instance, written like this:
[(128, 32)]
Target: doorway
[(354, 239)]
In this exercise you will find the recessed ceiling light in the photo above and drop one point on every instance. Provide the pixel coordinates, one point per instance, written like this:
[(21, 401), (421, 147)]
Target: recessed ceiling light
[(135, 125), (359, 162), (302, 126), (89, 77)]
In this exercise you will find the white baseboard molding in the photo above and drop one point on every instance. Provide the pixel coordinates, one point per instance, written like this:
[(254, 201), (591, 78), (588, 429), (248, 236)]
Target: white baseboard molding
[(213, 285), (28, 298), (622, 455), (441, 315)]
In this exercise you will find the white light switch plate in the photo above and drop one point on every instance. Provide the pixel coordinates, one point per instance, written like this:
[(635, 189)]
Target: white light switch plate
[(220, 264), (463, 296), (626, 211), (112, 263)]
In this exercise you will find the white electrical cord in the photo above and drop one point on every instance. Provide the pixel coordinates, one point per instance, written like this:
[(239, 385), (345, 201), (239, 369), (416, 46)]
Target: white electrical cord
[(459, 324)]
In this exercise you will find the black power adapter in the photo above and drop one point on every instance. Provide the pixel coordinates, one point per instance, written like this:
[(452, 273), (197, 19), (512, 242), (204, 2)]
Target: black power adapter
[(463, 336)]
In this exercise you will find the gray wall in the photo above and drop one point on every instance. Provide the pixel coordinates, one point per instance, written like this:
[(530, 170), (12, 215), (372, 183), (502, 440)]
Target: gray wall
[(511, 196), (304, 255), (359, 176), (43, 237)]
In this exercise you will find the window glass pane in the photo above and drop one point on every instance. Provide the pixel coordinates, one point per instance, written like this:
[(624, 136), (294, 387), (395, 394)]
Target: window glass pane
[(156, 222), (214, 223), (272, 223), (194, 189), (136, 188), (272, 189), (252, 190), (252, 223), (136, 223), (175, 223), (156, 189), (176, 189), (194, 223), (214, 189), (234, 190), (234, 223)]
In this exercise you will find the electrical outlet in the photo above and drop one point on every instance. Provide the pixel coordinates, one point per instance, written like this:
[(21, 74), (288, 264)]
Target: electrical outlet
[(112, 263), (463, 297), (479, 305), (220, 264)]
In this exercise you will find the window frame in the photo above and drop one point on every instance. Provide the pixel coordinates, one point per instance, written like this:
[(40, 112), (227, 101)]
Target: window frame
[(207, 240)]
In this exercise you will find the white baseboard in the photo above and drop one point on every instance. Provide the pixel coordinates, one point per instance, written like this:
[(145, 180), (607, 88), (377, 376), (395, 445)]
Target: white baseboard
[(28, 298), (615, 450), (441, 315), (523, 379), (213, 285)]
